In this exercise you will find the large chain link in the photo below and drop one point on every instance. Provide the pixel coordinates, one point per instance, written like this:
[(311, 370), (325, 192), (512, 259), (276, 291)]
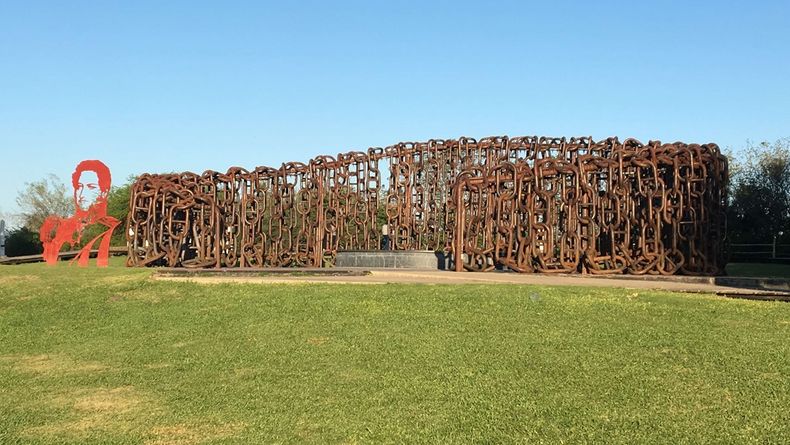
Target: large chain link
[(531, 204)]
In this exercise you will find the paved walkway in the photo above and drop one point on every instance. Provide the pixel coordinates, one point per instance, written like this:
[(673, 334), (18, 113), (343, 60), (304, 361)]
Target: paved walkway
[(377, 276)]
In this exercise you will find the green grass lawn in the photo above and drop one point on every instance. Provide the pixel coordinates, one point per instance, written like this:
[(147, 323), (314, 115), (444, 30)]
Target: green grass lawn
[(111, 356), (758, 270)]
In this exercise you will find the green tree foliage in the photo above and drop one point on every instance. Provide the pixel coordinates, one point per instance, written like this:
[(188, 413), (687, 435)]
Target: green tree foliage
[(49, 196), (760, 193), (39, 199), (118, 208), (22, 241)]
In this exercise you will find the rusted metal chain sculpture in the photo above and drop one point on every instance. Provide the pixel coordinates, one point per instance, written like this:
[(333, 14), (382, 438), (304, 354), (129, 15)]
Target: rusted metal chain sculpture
[(530, 204)]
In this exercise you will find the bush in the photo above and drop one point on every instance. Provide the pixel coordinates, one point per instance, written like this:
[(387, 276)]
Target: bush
[(22, 241)]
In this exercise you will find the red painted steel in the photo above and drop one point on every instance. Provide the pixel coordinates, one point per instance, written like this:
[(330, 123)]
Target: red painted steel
[(90, 207)]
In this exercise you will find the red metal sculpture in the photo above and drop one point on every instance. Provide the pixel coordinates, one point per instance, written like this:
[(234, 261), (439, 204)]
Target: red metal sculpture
[(91, 181)]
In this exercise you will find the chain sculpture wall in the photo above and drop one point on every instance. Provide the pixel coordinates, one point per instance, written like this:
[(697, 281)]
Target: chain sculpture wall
[(531, 204)]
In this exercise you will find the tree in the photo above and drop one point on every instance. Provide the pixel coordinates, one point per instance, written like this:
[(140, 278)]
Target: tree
[(22, 241), (760, 193), (118, 208), (49, 196), (42, 198)]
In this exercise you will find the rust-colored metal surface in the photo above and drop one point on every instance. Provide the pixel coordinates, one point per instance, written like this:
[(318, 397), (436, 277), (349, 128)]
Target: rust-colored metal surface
[(530, 204)]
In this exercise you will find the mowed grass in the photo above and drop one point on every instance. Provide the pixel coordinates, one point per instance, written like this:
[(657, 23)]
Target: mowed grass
[(761, 270), (111, 356)]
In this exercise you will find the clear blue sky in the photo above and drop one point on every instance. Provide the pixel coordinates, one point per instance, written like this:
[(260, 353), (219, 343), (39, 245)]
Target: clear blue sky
[(172, 86)]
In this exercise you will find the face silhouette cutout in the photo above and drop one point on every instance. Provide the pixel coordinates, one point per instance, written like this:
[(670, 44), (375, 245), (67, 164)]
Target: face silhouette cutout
[(91, 182), (87, 191)]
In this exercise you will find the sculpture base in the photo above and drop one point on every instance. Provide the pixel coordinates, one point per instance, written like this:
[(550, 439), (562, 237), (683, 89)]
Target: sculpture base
[(391, 259)]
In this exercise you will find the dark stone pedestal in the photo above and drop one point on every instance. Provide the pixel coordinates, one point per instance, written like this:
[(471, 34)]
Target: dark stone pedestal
[(391, 259)]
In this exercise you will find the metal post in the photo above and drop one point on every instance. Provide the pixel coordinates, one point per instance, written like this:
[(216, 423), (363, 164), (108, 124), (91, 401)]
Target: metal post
[(460, 217), (773, 252)]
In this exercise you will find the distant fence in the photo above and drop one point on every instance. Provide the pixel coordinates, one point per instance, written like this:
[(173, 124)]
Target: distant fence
[(66, 255), (757, 252)]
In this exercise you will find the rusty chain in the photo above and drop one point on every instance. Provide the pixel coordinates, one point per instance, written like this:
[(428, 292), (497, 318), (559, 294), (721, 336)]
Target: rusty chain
[(530, 204)]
